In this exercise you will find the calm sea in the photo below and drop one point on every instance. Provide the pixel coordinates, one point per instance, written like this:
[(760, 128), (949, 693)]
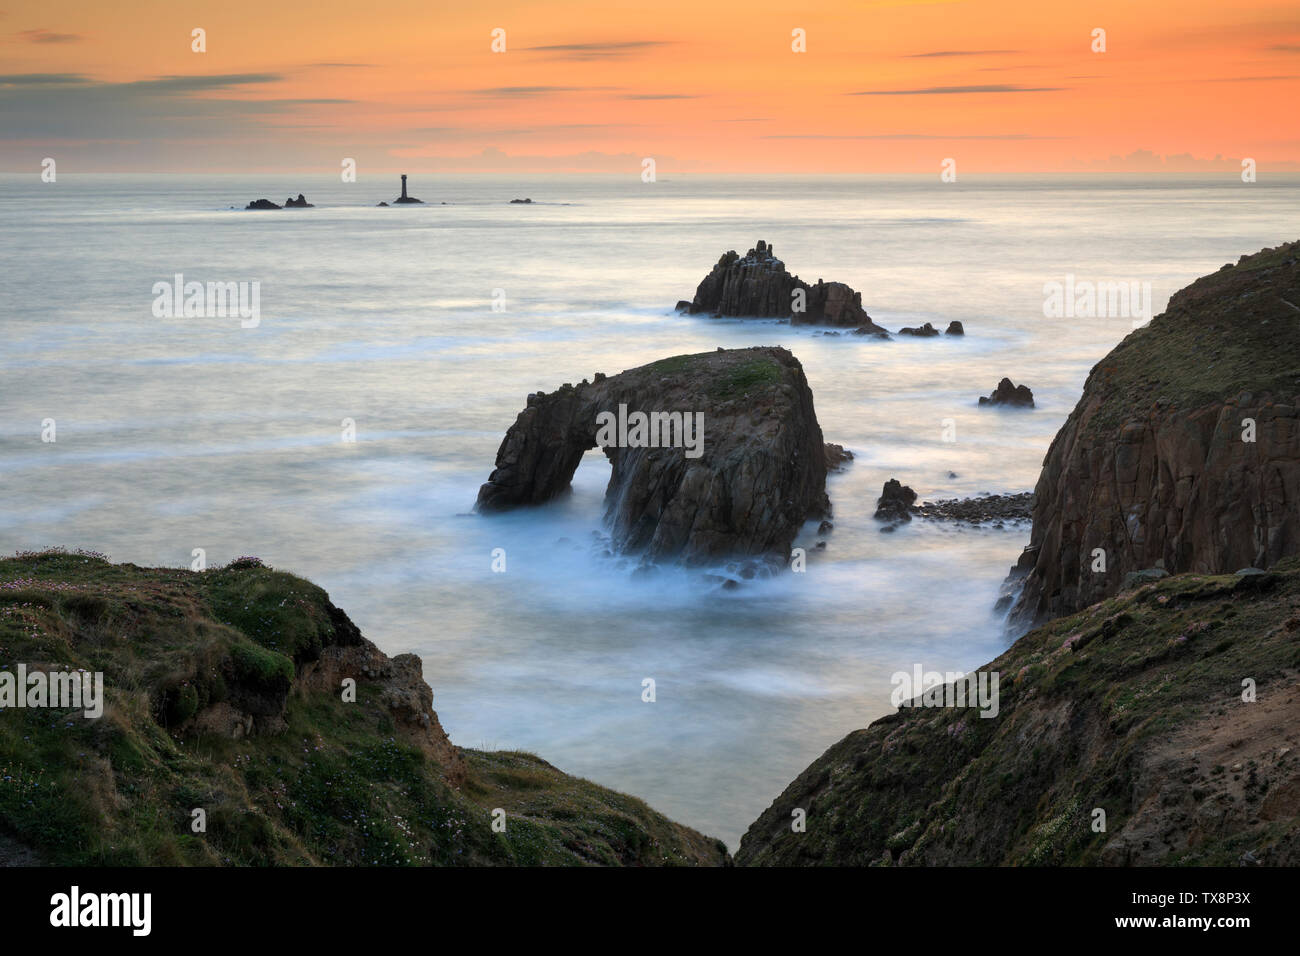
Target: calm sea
[(183, 433)]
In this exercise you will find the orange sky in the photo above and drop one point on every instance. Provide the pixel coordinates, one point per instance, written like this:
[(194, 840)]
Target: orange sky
[(892, 86)]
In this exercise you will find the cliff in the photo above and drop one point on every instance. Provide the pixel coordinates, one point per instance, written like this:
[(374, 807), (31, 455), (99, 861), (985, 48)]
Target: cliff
[(224, 692), (1184, 451), (1133, 707), (757, 285), (751, 467)]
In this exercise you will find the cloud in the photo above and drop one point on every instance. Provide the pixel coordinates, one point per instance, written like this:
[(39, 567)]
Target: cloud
[(41, 79), (949, 90), (1146, 161), (537, 90), (595, 51), (660, 96), (68, 106), (47, 36), (494, 159), (913, 56), (910, 136)]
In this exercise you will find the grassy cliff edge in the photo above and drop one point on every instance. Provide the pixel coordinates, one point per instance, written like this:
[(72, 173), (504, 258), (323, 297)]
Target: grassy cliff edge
[(224, 692)]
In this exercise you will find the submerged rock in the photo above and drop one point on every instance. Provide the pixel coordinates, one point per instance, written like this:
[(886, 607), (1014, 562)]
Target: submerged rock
[(1008, 393), (757, 285), (749, 469), (1184, 450), (924, 331)]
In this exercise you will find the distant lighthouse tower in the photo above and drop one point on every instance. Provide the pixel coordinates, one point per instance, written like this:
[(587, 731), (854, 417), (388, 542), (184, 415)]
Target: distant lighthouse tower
[(405, 198)]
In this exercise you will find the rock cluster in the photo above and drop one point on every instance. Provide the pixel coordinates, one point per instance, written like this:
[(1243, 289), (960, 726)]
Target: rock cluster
[(1008, 393), (757, 285), (760, 474)]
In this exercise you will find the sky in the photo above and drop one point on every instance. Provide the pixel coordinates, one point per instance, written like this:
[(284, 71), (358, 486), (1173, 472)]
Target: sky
[(719, 87)]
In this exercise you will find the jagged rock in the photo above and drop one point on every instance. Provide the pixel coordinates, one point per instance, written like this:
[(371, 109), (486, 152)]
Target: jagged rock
[(837, 457), (1152, 465), (895, 502), (758, 286), (925, 331), (382, 204), (759, 474), (1008, 393), (521, 201), (954, 328), (299, 203), (262, 204)]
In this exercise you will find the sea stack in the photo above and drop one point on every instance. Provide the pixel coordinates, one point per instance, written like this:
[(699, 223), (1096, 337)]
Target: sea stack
[(757, 473), (405, 198)]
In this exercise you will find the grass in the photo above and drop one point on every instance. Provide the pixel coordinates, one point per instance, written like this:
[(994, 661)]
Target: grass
[(328, 782)]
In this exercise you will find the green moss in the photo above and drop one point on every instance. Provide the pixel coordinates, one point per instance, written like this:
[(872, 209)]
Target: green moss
[(747, 377)]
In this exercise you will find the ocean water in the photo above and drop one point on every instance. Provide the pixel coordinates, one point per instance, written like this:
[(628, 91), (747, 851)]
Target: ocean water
[(182, 433)]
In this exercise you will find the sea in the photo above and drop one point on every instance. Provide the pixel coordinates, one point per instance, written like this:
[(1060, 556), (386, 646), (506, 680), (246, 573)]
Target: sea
[(342, 433)]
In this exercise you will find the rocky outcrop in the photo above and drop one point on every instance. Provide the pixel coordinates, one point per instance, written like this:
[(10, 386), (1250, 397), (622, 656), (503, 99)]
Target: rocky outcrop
[(1132, 708), (756, 472), (955, 328), (299, 203), (757, 285), (837, 457), (1008, 393), (262, 204), (981, 509), (921, 332), (325, 772), (1184, 451), (895, 502)]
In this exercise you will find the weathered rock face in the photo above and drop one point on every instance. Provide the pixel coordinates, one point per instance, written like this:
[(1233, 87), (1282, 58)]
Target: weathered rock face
[(1080, 724), (758, 286), (757, 475), (1155, 467)]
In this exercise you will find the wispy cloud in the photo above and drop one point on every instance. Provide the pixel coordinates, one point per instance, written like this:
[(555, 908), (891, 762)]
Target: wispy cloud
[(930, 53), (595, 51), (661, 96), (951, 90), (48, 36), (909, 136), (538, 90)]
